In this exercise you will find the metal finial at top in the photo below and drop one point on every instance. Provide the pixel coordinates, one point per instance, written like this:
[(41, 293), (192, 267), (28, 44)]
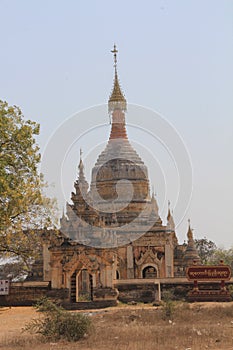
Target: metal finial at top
[(190, 231), (117, 99), (114, 51), (80, 166)]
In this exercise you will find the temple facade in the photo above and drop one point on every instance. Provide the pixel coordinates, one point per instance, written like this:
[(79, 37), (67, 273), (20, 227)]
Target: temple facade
[(112, 242)]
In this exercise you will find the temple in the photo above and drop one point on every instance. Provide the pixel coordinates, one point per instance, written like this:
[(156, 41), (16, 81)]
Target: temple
[(112, 242)]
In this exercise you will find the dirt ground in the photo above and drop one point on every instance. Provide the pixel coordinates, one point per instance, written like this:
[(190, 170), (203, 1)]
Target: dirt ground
[(141, 327)]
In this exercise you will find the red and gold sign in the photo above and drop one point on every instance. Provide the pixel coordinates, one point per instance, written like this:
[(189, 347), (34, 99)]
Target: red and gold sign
[(209, 273)]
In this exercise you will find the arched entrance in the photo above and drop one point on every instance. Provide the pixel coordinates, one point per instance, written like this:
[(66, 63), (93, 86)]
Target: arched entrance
[(149, 272), (81, 286)]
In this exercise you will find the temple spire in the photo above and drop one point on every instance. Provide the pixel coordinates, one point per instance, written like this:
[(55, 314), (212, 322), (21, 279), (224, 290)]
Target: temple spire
[(81, 167), (170, 220), (154, 204), (117, 99), (82, 183), (191, 253), (190, 232)]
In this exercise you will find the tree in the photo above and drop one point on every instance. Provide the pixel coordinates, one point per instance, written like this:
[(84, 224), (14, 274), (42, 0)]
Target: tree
[(222, 254), (205, 249), (23, 207), (58, 324), (13, 269), (212, 255)]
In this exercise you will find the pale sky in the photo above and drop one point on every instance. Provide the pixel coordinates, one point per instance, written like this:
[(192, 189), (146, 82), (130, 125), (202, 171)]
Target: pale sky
[(175, 58)]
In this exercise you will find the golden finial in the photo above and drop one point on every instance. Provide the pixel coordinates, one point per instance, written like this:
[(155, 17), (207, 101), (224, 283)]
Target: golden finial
[(190, 231), (114, 51), (117, 99), (168, 211), (80, 160)]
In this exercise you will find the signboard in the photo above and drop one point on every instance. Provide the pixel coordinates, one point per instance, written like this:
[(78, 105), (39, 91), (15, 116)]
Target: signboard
[(4, 287), (208, 273)]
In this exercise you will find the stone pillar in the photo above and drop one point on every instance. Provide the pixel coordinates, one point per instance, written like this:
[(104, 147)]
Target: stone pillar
[(67, 277), (130, 262), (94, 280), (157, 292), (109, 277), (55, 274), (102, 276), (169, 271)]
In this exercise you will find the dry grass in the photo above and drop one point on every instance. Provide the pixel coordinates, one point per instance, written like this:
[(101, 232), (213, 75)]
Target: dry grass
[(143, 327)]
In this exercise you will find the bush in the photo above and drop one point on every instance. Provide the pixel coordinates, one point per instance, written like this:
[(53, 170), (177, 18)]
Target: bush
[(230, 289), (168, 305), (57, 323), (46, 305)]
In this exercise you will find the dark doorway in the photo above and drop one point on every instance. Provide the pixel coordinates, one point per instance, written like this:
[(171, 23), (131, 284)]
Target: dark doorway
[(149, 272), (85, 286)]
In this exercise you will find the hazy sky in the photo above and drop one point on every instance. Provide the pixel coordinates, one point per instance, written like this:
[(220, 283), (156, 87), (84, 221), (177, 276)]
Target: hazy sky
[(175, 57)]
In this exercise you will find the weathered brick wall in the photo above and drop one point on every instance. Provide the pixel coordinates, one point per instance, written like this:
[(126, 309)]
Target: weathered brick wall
[(180, 291), (23, 296), (27, 295), (137, 292), (87, 305)]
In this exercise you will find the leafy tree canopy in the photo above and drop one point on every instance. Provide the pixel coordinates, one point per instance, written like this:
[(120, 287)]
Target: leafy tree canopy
[(23, 207), (205, 248), (210, 254), (222, 254)]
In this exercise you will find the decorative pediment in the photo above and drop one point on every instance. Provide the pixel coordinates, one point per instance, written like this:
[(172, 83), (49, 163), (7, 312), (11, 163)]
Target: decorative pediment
[(148, 257), (88, 260), (84, 261)]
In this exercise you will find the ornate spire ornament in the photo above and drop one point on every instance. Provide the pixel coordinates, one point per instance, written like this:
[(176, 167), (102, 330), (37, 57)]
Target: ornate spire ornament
[(81, 167), (169, 212), (154, 204), (170, 220), (190, 232), (191, 253), (115, 51), (81, 176), (117, 99)]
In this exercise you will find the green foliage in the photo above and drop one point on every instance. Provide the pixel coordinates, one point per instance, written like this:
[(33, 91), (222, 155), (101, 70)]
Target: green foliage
[(206, 249), (210, 254), (222, 254), (168, 304), (46, 305), (230, 289), (13, 269), (23, 207), (57, 323), (84, 297)]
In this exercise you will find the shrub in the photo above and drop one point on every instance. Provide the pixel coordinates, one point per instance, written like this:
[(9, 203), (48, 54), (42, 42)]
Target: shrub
[(168, 304), (46, 305), (57, 323), (230, 288)]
